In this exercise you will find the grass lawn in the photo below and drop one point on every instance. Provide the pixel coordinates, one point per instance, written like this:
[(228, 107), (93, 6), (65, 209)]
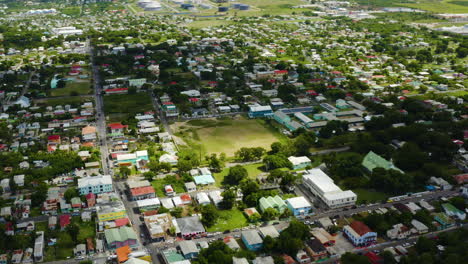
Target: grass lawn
[(252, 169), (229, 220), (159, 184), (74, 101), (87, 229), (42, 226), (79, 87), (369, 196), (440, 6), (64, 248), (127, 105), (227, 135)]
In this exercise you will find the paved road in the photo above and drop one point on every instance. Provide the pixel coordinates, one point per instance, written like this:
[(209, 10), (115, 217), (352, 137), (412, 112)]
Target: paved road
[(162, 116), (384, 245), (100, 115), (340, 212)]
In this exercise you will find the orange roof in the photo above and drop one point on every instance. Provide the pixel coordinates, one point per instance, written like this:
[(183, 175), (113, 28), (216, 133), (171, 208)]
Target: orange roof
[(122, 253), (185, 197), (142, 190), (88, 144), (88, 130)]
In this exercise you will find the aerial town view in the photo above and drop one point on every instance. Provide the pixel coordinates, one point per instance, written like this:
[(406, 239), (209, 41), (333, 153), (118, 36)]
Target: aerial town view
[(233, 131)]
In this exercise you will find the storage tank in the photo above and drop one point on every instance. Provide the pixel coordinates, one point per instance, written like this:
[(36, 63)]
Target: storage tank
[(223, 9), (244, 7)]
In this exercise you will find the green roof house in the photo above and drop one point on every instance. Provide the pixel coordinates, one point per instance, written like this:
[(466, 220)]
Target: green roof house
[(452, 211), (272, 202), (372, 161), (120, 237), (443, 221)]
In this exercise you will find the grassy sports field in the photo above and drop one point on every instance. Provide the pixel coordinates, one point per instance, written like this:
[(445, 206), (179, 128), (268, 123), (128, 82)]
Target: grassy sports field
[(226, 135)]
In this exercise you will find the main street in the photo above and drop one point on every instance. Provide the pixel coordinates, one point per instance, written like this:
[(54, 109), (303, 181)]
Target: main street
[(100, 116)]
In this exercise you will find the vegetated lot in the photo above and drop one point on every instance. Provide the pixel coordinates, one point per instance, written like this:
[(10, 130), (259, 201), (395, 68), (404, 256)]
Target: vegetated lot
[(74, 101), (369, 196), (61, 250), (226, 135), (159, 184), (77, 88), (252, 169), (229, 220), (437, 6), (120, 107)]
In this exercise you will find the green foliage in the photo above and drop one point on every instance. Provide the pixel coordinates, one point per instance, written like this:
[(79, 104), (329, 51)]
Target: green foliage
[(236, 175), (351, 258), (250, 154), (209, 215)]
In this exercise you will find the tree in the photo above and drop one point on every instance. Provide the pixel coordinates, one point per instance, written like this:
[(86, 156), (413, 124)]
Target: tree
[(124, 171), (184, 165), (70, 193), (215, 163), (209, 215), (276, 161), (39, 195), (229, 198), (165, 166), (149, 175), (73, 230), (351, 258), (269, 214), (235, 175), (255, 217), (268, 244), (217, 252)]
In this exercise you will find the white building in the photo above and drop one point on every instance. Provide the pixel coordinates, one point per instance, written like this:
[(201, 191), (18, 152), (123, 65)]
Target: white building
[(323, 187)]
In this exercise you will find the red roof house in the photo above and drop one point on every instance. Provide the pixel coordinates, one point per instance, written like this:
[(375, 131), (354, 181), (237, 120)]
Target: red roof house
[(141, 193), (65, 220)]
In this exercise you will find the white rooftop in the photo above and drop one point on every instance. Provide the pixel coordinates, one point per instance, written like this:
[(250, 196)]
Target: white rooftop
[(298, 202)]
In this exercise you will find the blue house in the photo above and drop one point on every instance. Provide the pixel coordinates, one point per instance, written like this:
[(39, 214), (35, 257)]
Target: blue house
[(299, 206), (256, 111), (252, 240)]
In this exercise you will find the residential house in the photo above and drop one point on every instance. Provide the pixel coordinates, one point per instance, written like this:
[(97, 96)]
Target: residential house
[(299, 206), (64, 220), (169, 158), (148, 204), (95, 184), (452, 211), (90, 199), (80, 250), (39, 247), (116, 128), (420, 227), (256, 111), (264, 260), (202, 176), (315, 249), (239, 260), (360, 234), (231, 242), (216, 197), (300, 162), (86, 216), (190, 187), (158, 225), (142, 193), (52, 222), (323, 236), (302, 257), (398, 231), (188, 248), (90, 245), (268, 230), (119, 237), (252, 240), (169, 190)]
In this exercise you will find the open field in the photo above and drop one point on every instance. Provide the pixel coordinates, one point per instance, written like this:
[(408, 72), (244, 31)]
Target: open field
[(226, 135), (77, 88), (436, 6), (229, 220), (74, 100), (252, 169), (368, 196), (126, 105)]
